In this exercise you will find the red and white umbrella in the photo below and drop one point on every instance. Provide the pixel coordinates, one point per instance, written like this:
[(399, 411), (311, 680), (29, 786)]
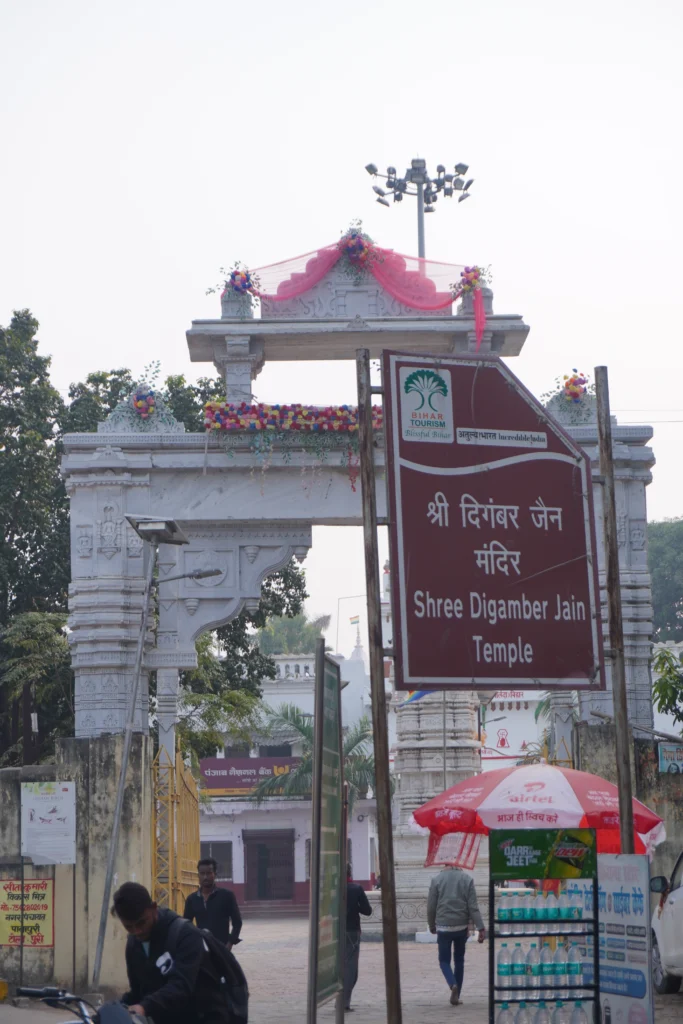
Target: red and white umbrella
[(533, 796)]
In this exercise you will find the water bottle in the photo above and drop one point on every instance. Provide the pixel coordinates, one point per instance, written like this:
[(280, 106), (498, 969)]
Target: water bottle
[(553, 910), (542, 1015), (560, 970), (565, 907), (547, 971), (561, 1015), (523, 1016), (517, 915), (518, 966), (503, 967), (577, 909), (574, 967), (533, 970), (541, 914), (504, 915), (530, 913), (504, 1015), (578, 1014)]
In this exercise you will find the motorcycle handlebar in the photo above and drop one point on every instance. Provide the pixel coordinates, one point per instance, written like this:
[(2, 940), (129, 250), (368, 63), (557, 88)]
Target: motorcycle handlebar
[(48, 992)]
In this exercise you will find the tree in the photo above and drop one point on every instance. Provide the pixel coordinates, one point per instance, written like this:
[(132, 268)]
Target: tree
[(665, 560), (667, 689), (209, 710), (34, 552), (294, 635), (35, 665), (359, 765)]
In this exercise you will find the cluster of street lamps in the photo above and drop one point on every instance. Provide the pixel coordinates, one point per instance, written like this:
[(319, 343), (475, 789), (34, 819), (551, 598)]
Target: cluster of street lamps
[(426, 189)]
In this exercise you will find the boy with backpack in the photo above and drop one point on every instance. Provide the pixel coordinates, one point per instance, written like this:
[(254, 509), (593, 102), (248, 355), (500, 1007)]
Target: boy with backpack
[(177, 973)]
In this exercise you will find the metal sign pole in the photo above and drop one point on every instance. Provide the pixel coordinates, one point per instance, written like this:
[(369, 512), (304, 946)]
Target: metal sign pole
[(378, 697), (316, 793), (616, 626), (339, 1005)]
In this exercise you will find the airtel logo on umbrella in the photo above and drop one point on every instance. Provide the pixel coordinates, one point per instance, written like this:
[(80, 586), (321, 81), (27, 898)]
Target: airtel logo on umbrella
[(533, 787)]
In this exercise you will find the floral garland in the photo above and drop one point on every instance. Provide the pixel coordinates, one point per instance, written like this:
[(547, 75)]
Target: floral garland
[(358, 252), (280, 418), (239, 282), (576, 386), (290, 426), (144, 402)]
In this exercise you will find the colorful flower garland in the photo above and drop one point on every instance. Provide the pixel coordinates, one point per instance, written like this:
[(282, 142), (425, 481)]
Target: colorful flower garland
[(576, 386), (280, 418), (144, 402)]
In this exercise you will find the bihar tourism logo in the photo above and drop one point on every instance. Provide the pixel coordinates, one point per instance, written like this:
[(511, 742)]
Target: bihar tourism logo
[(426, 405)]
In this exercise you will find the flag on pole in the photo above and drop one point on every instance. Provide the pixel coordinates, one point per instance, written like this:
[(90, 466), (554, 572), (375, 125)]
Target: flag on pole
[(413, 695), (355, 620)]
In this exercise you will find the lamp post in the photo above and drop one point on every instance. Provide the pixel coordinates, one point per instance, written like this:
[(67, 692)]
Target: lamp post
[(155, 531), (426, 189)]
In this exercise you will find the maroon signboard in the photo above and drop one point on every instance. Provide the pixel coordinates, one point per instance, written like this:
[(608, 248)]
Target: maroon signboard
[(492, 533), (239, 776)]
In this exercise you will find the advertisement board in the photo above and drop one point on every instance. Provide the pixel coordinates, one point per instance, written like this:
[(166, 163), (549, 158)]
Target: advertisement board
[(239, 776), (540, 853), (328, 874), (626, 995), (670, 758), (38, 912), (491, 532)]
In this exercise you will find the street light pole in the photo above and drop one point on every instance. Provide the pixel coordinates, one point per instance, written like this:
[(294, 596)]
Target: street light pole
[(421, 220), (155, 531), (426, 189)]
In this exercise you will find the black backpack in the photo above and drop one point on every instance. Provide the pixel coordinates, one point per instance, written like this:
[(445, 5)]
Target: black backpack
[(224, 967)]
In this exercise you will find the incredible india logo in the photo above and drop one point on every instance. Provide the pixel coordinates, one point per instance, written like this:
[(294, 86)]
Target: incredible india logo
[(427, 413)]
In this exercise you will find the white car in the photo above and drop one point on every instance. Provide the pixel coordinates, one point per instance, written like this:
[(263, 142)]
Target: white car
[(667, 931)]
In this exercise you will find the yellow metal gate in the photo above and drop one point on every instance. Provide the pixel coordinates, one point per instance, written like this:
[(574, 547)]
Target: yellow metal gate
[(175, 832)]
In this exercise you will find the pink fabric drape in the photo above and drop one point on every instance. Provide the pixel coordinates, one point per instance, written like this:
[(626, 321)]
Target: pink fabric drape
[(417, 283)]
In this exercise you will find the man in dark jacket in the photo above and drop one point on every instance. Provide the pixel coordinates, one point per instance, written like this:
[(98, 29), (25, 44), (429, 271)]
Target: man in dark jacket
[(356, 904), (173, 982), (213, 908)]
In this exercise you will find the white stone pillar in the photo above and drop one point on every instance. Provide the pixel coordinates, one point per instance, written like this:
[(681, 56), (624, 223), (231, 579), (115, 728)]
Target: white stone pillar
[(167, 710), (239, 362)]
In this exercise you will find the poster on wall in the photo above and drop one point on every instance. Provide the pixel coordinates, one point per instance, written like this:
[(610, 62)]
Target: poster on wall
[(48, 822), (38, 912), (328, 882), (626, 995), (670, 758)]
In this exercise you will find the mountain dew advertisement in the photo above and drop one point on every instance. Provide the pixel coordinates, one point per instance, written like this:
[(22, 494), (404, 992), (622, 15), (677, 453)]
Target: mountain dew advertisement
[(543, 853)]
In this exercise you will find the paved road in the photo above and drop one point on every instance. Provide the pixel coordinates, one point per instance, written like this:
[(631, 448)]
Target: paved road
[(274, 957)]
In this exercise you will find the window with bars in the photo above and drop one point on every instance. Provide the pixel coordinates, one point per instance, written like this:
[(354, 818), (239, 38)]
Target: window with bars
[(222, 854)]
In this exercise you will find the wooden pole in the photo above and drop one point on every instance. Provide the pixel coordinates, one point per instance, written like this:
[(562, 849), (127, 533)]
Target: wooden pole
[(378, 698), (616, 625)]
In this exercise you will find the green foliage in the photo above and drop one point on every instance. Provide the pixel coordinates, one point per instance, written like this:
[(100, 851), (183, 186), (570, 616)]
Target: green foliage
[(295, 635), (667, 688), (427, 384), (359, 765), (665, 560), (187, 401), (34, 564), (35, 662)]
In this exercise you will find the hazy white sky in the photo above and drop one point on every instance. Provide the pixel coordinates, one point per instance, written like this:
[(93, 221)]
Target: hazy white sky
[(147, 143)]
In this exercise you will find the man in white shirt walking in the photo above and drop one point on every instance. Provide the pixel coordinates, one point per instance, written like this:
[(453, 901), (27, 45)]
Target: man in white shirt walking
[(451, 905)]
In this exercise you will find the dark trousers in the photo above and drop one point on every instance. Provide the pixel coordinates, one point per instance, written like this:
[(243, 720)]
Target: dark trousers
[(455, 941), (351, 954)]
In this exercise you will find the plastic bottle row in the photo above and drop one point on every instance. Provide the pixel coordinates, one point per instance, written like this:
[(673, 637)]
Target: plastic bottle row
[(552, 1013), (546, 974), (531, 912)]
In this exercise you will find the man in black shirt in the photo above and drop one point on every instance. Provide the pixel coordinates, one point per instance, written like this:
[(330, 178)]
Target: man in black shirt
[(213, 908), (171, 976), (356, 904)]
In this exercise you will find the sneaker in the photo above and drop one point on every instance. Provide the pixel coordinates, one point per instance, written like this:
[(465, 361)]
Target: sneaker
[(455, 996)]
